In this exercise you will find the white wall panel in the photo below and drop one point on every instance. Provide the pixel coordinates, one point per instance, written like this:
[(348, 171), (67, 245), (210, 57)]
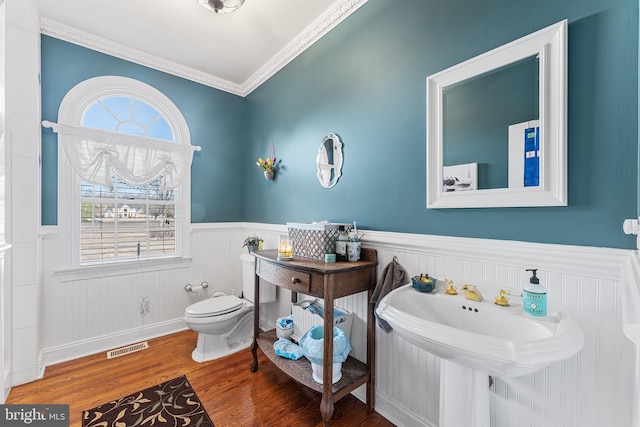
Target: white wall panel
[(581, 391), (592, 389), (22, 104)]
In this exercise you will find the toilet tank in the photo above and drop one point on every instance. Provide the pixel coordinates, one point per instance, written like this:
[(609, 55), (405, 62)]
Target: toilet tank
[(267, 289)]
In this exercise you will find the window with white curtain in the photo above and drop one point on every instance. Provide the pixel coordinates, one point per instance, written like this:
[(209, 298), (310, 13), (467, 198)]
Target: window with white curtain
[(124, 157)]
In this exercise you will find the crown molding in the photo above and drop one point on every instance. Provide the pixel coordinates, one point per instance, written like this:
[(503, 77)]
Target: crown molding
[(304, 40)]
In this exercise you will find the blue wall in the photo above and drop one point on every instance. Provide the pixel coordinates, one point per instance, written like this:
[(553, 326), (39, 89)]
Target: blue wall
[(365, 81), (215, 120)]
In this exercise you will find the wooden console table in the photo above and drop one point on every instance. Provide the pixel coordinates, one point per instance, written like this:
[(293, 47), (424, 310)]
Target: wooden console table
[(328, 281)]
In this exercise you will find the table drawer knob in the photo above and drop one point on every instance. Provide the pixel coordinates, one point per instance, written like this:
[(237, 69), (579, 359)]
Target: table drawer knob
[(295, 280)]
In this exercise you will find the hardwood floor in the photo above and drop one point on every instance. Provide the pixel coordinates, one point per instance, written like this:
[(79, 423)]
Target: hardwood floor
[(230, 392)]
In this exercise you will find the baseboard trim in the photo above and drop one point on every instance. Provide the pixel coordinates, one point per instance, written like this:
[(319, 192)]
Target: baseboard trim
[(400, 417), (75, 350), (6, 386)]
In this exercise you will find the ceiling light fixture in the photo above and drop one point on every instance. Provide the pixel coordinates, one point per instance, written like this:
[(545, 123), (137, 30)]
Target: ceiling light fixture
[(221, 6)]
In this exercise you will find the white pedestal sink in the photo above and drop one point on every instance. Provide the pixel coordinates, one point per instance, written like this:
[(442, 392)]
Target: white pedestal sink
[(464, 396), (478, 339)]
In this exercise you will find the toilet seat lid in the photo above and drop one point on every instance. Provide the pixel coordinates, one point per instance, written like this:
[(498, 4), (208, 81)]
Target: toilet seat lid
[(215, 306)]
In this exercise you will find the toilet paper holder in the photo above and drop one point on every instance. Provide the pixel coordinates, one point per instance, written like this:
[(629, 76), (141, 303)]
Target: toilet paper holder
[(190, 288)]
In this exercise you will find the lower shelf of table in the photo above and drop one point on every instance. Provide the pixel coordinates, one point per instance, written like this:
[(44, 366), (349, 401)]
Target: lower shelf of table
[(354, 372)]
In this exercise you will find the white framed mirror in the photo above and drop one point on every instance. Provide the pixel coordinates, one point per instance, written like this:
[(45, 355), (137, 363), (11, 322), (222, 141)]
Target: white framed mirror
[(497, 126), (329, 160)]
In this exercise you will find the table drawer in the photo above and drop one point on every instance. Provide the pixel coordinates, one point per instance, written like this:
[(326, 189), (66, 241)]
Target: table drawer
[(294, 280)]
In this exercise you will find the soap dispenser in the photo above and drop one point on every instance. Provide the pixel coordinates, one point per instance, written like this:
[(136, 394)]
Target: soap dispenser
[(534, 296)]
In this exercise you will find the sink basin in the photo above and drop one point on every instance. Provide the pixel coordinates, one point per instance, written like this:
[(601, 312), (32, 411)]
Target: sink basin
[(500, 341)]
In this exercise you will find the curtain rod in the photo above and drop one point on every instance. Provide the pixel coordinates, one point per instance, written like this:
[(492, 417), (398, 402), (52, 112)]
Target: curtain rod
[(54, 127)]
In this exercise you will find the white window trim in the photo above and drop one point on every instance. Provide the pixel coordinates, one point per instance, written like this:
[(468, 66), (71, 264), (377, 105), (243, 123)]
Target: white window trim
[(122, 268), (72, 107)]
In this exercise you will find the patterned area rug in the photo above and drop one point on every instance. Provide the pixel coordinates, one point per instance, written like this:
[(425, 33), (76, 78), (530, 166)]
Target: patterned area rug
[(172, 403)]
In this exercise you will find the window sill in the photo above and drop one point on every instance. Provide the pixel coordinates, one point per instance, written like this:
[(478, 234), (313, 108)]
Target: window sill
[(107, 270)]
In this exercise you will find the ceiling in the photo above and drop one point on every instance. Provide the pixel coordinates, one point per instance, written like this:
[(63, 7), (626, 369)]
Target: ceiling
[(235, 52)]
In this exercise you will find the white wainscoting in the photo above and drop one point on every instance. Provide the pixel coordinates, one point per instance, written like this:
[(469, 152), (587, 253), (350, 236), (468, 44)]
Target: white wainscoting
[(593, 389), (5, 329), (83, 317)]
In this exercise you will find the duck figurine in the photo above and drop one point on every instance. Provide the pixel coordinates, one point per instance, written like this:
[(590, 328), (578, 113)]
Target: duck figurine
[(451, 290), (501, 299)]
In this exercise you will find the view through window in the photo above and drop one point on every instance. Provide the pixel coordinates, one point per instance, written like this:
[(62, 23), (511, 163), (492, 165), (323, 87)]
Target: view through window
[(127, 222)]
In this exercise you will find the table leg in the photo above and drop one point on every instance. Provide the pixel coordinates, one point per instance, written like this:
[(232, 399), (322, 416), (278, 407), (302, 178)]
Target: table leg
[(326, 409), (326, 405), (371, 353), (256, 318)]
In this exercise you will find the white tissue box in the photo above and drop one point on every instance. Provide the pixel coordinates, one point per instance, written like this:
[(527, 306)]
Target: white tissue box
[(303, 319), (283, 333)]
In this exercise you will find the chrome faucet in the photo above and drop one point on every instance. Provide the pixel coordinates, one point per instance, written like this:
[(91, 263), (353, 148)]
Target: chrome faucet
[(471, 293)]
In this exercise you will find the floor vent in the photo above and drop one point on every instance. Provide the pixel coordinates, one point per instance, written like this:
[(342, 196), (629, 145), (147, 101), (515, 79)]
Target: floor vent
[(126, 350)]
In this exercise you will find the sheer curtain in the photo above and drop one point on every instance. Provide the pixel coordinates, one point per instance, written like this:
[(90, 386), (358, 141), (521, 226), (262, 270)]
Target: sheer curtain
[(94, 154)]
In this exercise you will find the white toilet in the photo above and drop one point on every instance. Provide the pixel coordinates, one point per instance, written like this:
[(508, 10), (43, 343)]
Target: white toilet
[(225, 323)]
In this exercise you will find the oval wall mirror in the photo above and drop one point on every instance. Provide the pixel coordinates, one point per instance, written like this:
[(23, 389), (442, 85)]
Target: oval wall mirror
[(496, 126), (329, 160)]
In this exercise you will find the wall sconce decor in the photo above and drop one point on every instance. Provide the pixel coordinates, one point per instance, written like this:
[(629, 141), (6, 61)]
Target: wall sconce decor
[(268, 165), (329, 160)]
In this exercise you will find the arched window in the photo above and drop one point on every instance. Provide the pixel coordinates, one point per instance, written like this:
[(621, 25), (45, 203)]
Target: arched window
[(123, 175)]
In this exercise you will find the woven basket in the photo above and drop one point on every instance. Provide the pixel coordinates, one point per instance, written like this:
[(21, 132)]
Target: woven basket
[(314, 240)]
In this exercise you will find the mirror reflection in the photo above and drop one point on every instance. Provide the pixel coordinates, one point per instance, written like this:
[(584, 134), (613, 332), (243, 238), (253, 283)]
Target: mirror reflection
[(329, 160), (484, 142)]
